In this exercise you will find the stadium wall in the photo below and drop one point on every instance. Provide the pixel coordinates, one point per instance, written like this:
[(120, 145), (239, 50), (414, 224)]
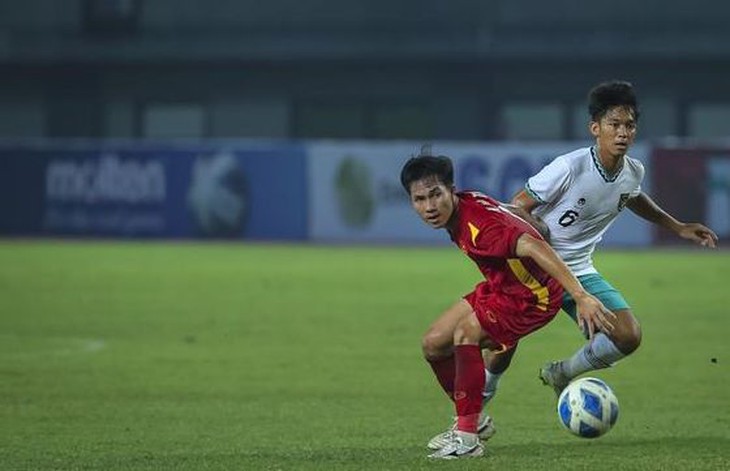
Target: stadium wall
[(319, 191)]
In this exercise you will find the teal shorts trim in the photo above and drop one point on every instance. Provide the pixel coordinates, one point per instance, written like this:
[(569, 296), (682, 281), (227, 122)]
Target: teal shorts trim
[(596, 285)]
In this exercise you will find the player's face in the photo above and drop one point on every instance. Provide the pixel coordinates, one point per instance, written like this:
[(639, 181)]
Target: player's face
[(433, 201), (616, 130)]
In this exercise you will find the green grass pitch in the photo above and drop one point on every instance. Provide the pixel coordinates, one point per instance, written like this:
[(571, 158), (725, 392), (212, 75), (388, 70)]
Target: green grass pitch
[(151, 356)]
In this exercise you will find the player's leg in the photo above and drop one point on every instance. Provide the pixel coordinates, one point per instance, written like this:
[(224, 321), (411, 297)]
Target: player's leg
[(468, 387), (437, 344), (497, 332), (495, 364), (438, 350), (604, 350), (626, 334), (470, 377)]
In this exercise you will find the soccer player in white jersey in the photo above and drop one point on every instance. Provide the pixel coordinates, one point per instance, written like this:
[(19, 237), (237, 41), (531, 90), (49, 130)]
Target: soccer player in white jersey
[(578, 195)]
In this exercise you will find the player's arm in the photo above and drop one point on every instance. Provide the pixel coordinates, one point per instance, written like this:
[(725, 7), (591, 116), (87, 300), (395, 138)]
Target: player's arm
[(592, 314), (523, 200), (643, 206), (534, 221), (522, 205)]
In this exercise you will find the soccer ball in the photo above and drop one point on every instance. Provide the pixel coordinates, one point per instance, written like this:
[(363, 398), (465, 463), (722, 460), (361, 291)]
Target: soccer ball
[(588, 408)]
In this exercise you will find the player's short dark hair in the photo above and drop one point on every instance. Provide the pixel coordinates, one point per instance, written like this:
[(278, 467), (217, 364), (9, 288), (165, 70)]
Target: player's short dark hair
[(424, 166), (607, 95)]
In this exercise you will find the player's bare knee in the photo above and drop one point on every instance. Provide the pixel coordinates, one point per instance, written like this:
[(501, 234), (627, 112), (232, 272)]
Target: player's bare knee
[(631, 339), (428, 347), (468, 332), (627, 335), (432, 345)]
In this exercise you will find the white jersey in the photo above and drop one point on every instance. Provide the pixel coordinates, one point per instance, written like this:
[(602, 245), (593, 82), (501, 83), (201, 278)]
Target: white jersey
[(579, 200)]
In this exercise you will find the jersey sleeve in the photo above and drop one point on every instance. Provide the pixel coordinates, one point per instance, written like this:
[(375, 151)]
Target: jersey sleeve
[(549, 183), (498, 237), (639, 178)]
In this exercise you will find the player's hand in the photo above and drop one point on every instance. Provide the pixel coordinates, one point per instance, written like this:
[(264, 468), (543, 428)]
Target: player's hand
[(698, 233), (593, 316)]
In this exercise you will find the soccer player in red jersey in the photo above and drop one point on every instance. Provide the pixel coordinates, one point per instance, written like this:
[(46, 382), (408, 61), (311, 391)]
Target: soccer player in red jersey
[(522, 291)]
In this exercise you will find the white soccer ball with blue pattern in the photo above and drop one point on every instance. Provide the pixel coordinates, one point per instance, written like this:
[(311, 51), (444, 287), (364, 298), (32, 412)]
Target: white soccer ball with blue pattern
[(588, 408)]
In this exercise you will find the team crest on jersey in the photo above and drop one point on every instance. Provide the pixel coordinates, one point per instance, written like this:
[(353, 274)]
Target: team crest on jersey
[(622, 200)]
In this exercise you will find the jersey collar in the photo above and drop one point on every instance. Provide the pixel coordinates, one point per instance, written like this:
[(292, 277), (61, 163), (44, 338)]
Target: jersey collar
[(607, 177)]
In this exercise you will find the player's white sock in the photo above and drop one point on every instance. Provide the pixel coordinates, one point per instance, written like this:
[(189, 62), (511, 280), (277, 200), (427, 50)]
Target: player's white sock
[(599, 353), (490, 386)]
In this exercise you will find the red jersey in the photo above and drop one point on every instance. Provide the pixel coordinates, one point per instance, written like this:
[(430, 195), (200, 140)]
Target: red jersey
[(487, 233)]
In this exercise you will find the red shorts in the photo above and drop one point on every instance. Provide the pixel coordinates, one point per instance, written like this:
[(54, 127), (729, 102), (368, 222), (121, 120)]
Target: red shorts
[(506, 319)]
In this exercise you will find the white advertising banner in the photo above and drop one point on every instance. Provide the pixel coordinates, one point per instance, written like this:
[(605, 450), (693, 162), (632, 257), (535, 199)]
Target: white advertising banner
[(355, 193)]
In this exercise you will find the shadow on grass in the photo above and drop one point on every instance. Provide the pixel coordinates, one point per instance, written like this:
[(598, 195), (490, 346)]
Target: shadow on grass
[(623, 444), (661, 453)]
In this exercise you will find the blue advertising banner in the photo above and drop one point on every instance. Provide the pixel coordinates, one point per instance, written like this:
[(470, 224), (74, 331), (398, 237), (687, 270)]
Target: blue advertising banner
[(254, 191), (356, 195)]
